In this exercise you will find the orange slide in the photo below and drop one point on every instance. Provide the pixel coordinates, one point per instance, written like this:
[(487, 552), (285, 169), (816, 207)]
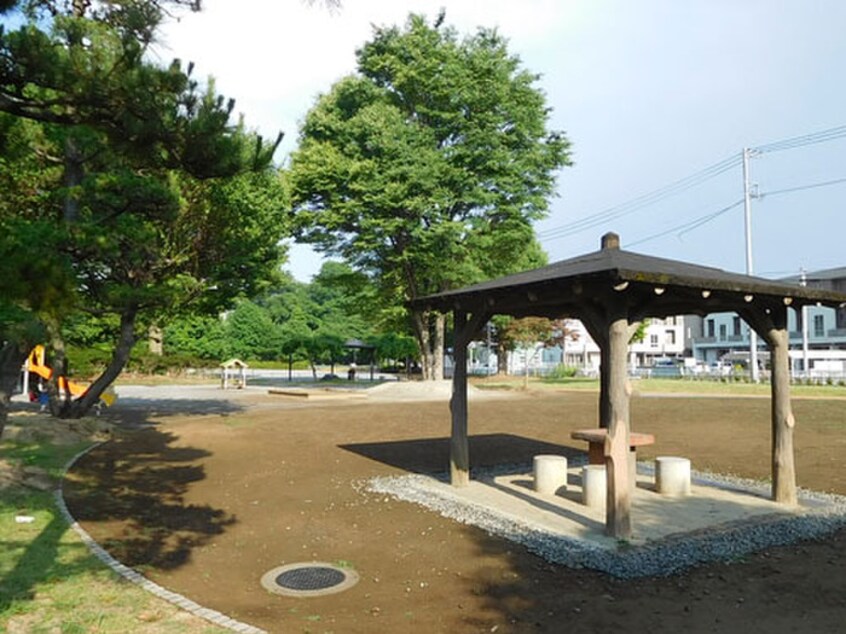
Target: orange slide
[(36, 366)]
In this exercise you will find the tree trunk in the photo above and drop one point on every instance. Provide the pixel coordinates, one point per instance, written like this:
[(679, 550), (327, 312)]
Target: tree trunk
[(501, 359), (126, 339), (420, 323), (155, 338), (438, 348), (12, 356), (59, 398), (429, 332), (71, 178)]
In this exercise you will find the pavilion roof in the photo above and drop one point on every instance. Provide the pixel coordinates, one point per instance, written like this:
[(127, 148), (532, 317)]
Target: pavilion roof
[(660, 286)]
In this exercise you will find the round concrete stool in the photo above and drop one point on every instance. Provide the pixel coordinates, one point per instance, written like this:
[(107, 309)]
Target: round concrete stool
[(672, 476), (594, 485), (550, 474)]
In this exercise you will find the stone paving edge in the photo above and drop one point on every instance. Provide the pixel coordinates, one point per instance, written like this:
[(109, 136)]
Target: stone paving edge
[(133, 576)]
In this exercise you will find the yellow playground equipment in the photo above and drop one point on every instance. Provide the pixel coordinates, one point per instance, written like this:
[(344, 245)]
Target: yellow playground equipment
[(35, 364)]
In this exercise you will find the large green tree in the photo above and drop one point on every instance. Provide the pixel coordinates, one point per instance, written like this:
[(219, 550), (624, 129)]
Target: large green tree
[(427, 167), (156, 200)]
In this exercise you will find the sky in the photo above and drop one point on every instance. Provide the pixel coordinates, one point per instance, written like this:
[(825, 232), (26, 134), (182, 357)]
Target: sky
[(657, 97)]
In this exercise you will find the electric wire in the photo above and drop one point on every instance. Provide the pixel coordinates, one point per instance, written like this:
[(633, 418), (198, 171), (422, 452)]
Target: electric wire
[(642, 201), (806, 139), (799, 188), (694, 180), (689, 226)]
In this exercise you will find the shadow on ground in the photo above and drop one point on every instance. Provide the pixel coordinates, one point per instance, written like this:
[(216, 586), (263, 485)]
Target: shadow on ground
[(431, 455), (139, 481)]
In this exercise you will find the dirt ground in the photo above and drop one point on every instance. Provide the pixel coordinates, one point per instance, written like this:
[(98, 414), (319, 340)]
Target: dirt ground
[(205, 504)]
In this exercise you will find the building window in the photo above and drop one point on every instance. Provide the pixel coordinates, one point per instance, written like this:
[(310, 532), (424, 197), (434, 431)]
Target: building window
[(840, 318), (723, 332), (819, 326), (671, 337), (735, 325), (710, 323), (653, 341)]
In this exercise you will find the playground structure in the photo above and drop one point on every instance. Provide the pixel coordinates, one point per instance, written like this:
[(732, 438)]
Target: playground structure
[(233, 374), (35, 364)]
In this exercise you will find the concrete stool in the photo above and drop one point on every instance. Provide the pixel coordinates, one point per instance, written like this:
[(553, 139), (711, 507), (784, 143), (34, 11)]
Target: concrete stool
[(672, 476), (594, 486), (550, 474)]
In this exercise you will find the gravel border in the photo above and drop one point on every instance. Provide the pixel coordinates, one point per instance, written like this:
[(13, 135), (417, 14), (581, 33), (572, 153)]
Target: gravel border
[(137, 578), (658, 558)]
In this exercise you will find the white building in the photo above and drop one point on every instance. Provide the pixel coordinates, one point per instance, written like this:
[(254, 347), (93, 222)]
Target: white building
[(663, 338), (817, 346)]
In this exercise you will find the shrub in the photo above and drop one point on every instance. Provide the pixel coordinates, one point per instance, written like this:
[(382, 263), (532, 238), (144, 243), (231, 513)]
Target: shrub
[(562, 371)]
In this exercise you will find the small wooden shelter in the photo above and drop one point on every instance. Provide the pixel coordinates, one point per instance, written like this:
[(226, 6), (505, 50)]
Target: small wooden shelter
[(233, 373), (612, 291)]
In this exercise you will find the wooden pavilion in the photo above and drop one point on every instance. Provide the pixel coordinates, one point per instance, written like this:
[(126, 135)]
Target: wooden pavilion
[(612, 291)]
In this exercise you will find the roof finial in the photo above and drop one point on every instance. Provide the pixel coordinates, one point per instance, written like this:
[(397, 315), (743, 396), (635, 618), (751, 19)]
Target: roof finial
[(610, 241)]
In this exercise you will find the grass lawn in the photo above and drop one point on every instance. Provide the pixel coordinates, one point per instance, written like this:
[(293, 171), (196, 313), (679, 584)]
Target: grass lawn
[(662, 386), (49, 581)]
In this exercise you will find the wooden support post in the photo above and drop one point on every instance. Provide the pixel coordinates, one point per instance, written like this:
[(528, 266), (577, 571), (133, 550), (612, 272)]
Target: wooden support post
[(459, 453), (783, 467), (772, 327), (595, 323), (618, 506)]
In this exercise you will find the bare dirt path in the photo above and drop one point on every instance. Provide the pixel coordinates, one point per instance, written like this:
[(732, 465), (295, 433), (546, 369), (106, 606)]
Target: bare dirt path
[(205, 503)]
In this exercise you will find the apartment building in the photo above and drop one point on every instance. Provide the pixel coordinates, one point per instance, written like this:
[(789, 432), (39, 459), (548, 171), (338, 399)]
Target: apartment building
[(817, 334)]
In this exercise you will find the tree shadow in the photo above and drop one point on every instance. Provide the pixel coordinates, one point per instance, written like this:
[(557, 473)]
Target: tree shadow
[(130, 495), (778, 589), (40, 559)]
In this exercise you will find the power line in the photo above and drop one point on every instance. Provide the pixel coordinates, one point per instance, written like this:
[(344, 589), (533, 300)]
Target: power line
[(635, 204), (806, 139), (694, 180), (800, 188), (690, 225)]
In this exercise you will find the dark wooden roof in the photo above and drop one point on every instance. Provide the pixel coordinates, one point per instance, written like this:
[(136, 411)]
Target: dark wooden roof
[(659, 287)]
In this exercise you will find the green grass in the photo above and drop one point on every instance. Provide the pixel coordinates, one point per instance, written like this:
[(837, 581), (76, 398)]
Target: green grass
[(49, 580), (661, 386)]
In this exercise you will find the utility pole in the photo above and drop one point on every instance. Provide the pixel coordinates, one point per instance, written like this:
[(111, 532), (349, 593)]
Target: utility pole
[(747, 208), (803, 280)]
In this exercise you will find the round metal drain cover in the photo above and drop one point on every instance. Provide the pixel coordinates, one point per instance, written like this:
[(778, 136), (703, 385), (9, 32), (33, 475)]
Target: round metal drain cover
[(308, 579)]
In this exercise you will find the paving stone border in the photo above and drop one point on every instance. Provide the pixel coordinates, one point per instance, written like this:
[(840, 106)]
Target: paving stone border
[(213, 616)]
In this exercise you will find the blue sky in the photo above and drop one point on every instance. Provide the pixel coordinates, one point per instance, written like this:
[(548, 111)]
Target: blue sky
[(648, 92)]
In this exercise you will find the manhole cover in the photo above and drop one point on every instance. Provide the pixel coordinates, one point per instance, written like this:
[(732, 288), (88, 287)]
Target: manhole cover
[(308, 579)]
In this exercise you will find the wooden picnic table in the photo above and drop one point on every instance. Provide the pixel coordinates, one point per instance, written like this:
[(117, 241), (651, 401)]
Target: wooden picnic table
[(596, 437)]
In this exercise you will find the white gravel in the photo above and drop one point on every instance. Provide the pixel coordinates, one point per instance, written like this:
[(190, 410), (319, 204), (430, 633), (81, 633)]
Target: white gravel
[(661, 557)]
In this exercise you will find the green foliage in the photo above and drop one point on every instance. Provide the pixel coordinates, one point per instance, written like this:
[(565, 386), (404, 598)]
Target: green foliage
[(561, 372), (131, 194), (196, 335), (251, 333), (426, 169), (392, 346), (640, 334)]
